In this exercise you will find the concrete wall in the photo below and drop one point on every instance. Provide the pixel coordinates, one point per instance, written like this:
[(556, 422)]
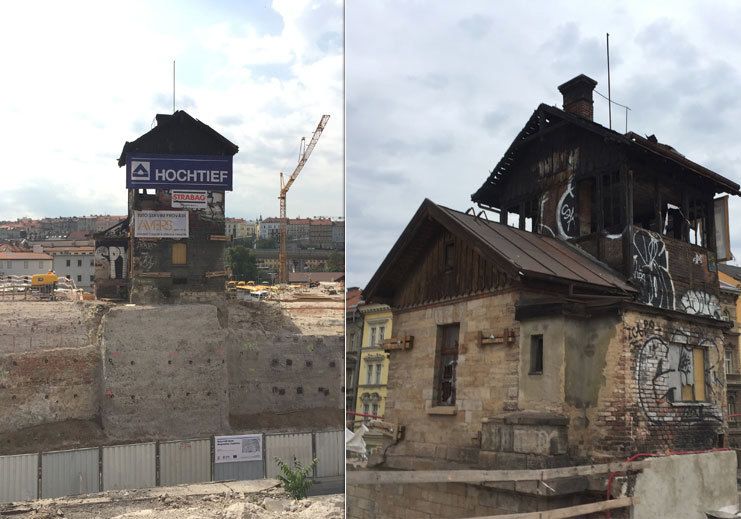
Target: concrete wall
[(687, 486), (48, 363), (164, 371)]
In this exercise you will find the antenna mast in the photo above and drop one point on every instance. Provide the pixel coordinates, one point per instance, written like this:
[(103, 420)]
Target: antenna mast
[(173, 86), (609, 95)]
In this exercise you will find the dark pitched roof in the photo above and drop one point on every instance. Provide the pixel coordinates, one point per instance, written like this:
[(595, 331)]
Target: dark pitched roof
[(180, 133), (528, 255), (548, 118)]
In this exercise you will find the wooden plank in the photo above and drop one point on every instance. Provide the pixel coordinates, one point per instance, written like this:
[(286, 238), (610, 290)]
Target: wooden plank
[(571, 511), (400, 477), (153, 274), (219, 237)]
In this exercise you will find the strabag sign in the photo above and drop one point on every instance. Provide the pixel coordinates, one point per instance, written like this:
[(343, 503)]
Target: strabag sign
[(245, 447), (190, 199), (160, 224), (148, 171)]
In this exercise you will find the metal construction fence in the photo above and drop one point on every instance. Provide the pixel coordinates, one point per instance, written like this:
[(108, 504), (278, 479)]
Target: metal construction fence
[(144, 465)]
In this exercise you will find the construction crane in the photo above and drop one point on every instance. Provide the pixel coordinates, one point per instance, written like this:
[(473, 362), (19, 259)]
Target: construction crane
[(304, 153)]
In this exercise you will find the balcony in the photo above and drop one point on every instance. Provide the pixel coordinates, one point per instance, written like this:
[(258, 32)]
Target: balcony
[(733, 380)]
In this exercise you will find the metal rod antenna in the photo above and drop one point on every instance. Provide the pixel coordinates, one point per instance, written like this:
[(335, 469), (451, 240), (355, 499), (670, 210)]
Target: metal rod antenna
[(626, 119), (609, 96), (173, 86)]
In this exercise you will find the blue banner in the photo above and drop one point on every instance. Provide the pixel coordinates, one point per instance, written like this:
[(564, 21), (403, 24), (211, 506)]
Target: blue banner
[(148, 171)]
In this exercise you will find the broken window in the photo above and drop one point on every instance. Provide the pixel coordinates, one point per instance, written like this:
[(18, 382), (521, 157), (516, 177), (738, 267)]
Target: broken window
[(698, 221), (536, 354), (513, 216), (612, 207), (179, 254), (449, 255), (645, 198), (587, 216), (446, 362), (685, 371)]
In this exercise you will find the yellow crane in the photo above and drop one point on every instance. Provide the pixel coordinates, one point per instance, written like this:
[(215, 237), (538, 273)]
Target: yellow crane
[(304, 153)]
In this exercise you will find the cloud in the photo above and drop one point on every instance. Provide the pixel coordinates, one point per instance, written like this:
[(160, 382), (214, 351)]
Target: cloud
[(429, 115), (260, 73)]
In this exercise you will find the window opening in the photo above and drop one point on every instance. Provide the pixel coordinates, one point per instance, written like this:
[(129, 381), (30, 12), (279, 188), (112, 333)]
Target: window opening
[(446, 365)]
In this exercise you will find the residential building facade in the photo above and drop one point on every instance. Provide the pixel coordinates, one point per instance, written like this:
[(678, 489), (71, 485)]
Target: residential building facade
[(24, 263), (373, 366)]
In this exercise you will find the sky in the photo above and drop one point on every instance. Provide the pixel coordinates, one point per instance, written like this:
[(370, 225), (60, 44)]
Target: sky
[(82, 78), (437, 91)]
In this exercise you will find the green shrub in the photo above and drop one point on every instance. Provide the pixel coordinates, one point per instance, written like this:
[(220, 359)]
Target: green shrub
[(297, 479)]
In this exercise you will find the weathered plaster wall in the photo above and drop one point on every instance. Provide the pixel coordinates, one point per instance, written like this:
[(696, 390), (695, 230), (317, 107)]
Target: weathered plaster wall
[(544, 391)]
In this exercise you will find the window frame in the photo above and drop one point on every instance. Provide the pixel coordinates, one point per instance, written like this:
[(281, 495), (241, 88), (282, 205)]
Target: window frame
[(537, 361), (446, 355)]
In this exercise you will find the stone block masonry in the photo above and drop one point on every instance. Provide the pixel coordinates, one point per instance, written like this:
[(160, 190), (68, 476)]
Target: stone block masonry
[(164, 371)]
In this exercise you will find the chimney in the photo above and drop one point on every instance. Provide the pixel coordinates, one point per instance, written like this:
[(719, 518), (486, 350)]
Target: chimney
[(577, 96)]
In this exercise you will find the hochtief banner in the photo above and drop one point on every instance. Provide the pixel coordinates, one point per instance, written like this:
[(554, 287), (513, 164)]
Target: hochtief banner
[(211, 172), (160, 224)]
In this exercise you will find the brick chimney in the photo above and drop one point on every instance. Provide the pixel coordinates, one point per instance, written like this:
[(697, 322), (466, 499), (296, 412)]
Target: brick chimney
[(577, 96)]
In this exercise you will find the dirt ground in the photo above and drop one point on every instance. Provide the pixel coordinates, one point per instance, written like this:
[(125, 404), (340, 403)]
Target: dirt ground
[(261, 499)]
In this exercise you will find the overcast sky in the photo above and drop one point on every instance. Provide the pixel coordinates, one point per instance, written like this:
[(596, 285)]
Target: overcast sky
[(436, 92), (81, 78)]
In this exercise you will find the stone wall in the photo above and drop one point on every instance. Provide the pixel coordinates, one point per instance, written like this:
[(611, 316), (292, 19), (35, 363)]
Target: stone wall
[(48, 363), (437, 500), (487, 380), (164, 371)]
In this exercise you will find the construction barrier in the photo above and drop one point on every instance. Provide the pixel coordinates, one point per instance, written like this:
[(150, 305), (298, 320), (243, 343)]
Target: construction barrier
[(69, 473), (19, 477), (129, 466), (79, 471), (187, 461), (287, 447)]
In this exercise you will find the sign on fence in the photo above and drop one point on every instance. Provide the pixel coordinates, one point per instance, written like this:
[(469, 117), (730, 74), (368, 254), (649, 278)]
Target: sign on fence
[(160, 224), (246, 447)]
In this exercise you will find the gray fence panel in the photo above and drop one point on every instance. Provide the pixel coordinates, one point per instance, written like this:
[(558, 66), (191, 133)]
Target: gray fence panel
[(19, 477), (129, 466), (330, 451), (68, 473), (239, 470), (285, 447), (185, 462)]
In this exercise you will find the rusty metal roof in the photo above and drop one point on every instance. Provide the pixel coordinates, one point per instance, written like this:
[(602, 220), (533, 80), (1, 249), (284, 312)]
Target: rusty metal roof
[(528, 255), (538, 255)]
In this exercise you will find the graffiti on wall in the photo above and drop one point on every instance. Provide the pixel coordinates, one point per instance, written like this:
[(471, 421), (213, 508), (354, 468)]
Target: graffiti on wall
[(147, 258), (112, 259), (696, 302), (214, 210), (651, 269), (566, 212), (665, 374)]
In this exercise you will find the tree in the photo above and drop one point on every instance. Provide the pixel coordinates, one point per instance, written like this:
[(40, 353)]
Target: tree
[(242, 263), (267, 243), (336, 262)]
